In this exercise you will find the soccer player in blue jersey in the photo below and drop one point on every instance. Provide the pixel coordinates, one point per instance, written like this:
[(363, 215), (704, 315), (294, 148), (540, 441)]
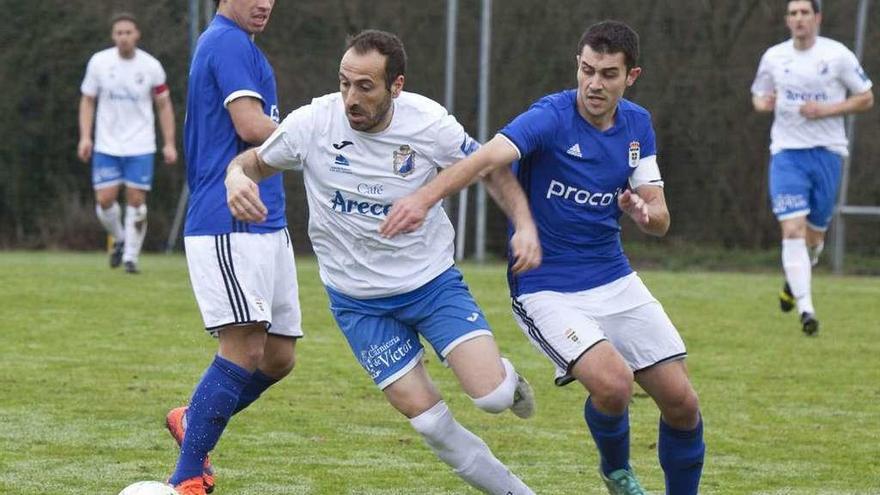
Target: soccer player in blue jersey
[(584, 157), (243, 275), (809, 82)]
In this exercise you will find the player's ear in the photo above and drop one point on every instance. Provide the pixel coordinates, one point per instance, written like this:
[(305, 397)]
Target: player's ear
[(397, 86), (632, 75)]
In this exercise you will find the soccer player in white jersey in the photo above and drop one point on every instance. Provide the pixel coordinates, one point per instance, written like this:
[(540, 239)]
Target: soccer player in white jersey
[(124, 82), (361, 149), (585, 156), (805, 81)]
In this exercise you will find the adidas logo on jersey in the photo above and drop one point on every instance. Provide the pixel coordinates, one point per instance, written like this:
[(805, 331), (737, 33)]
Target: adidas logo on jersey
[(575, 150)]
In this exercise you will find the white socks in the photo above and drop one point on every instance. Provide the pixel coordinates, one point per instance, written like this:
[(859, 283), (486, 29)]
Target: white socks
[(135, 231), (501, 398), (466, 453), (798, 272), (815, 251), (111, 219)]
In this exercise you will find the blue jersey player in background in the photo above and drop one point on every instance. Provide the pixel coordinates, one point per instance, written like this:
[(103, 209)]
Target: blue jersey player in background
[(584, 157), (243, 275)]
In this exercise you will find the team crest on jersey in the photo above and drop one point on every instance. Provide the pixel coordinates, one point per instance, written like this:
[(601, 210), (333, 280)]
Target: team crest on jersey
[(635, 153), (404, 160), (139, 78), (823, 68)]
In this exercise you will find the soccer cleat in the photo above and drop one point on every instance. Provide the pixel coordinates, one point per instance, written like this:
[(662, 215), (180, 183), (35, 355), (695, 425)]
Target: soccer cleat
[(116, 254), (622, 482), (131, 267), (786, 299), (192, 486), (523, 399), (809, 324), (175, 421)]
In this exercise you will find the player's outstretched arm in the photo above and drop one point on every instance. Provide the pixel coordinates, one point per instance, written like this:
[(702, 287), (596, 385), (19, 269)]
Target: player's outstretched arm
[(409, 213), (525, 245), (242, 192), (647, 207)]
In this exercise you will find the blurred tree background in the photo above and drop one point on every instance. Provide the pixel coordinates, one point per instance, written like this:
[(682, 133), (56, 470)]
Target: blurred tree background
[(698, 56)]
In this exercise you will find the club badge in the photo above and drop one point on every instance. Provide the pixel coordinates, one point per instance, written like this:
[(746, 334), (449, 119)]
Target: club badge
[(634, 154), (404, 160)]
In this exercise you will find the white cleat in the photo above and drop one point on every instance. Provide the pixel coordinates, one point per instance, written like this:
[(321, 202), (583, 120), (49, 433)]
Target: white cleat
[(523, 399)]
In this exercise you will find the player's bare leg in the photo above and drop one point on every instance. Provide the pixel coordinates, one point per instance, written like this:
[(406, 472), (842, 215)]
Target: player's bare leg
[(608, 379), (680, 444), (110, 215), (489, 379), (416, 397)]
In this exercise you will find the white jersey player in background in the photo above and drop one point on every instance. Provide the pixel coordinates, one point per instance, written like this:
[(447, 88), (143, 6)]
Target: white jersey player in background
[(360, 150), (124, 82), (804, 81)]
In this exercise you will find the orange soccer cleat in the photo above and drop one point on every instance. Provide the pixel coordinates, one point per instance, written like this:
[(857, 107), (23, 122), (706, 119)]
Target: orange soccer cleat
[(175, 421), (192, 486)]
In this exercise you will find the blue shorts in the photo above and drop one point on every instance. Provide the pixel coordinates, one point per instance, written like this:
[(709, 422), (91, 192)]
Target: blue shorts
[(384, 332), (110, 170), (804, 183)]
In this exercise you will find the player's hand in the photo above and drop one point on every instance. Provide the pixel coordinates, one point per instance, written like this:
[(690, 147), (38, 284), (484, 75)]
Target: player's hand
[(769, 102), (169, 153), (84, 150), (812, 110), (633, 205), (243, 198), (406, 215), (525, 248)]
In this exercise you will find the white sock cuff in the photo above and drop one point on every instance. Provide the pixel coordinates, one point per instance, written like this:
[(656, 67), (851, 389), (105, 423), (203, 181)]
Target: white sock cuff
[(794, 242), (136, 213), (501, 398), (428, 422)]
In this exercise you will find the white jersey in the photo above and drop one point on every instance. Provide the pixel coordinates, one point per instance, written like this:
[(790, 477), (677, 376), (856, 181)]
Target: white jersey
[(823, 73), (351, 180), (124, 124)]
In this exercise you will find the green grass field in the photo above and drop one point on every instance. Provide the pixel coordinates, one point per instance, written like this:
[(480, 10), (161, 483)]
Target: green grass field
[(91, 359)]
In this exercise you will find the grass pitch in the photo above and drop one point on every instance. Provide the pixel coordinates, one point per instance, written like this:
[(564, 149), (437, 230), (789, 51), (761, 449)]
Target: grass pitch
[(91, 359)]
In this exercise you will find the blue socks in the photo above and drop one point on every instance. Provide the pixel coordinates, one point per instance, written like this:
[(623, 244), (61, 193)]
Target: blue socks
[(611, 434), (213, 403), (681, 456), (258, 384)]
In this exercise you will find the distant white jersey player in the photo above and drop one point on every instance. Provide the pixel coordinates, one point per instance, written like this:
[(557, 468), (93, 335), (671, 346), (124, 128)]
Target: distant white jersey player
[(805, 81), (360, 150), (119, 89)]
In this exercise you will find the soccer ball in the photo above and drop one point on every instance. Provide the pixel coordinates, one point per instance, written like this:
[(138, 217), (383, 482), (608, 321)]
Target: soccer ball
[(148, 488)]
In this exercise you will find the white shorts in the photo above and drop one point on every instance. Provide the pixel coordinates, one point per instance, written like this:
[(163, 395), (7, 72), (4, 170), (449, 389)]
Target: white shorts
[(242, 278), (565, 325)]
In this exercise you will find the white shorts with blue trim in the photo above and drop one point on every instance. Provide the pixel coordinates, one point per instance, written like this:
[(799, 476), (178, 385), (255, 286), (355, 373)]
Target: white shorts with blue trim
[(242, 278), (565, 325)]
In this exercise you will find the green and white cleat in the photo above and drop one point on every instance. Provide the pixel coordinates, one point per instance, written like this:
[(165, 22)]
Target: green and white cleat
[(523, 399), (622, 482)]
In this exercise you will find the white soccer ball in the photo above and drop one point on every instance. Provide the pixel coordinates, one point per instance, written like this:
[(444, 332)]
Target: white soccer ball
[(148, 488)]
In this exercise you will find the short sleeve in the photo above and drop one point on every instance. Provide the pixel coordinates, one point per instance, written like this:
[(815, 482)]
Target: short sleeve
[(647, 172), (452, 142), (90, 84), (532, 129), (287, 147), (235, 68), (852, 75), (158, 76), (763, 84)]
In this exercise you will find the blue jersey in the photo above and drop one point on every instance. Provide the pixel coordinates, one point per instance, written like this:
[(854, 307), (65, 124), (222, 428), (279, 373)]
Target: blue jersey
[(226, 65), (572, 174)]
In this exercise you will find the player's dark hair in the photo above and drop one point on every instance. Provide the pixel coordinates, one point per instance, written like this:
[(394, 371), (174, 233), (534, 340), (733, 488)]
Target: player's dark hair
[(216, 4), (612, 37), (123, 16), (386, 44), (817, 5)]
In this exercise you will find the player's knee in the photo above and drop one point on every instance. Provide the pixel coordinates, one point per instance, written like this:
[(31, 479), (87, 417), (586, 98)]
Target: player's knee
[(501, 398), (612, 391), (278, 366), (683, 411)]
